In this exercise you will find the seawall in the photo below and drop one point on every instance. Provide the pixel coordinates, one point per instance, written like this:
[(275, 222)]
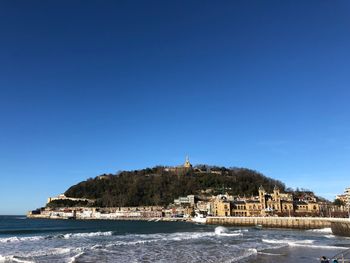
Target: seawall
[(273, 222), (341, 228)]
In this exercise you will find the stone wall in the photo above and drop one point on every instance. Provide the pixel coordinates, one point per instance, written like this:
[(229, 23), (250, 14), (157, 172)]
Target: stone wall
[(341, 228), (273, 222)]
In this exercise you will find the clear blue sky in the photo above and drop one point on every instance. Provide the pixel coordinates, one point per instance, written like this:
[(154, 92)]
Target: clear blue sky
[(92, 87)]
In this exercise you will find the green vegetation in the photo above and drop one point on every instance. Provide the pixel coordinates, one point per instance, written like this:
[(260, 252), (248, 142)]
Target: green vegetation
[(159, 186), (68, 203), (338, 202)]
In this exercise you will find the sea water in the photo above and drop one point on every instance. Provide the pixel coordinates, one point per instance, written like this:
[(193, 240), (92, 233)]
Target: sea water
[(36, 240)]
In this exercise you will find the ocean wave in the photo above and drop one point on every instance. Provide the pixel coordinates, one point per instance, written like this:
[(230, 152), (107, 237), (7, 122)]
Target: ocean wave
[(270, 254), (327, 230), (129, 243), (51, 252), (150, 238), (74, 258), (22, 257), (223, 231), (317, 246), (248, 253), (83, 235), (14, 259), (19, 239), (187, 236), (64, 236), (301, 243), (288, 241), (329, 236), (230, 234), (220, 229)]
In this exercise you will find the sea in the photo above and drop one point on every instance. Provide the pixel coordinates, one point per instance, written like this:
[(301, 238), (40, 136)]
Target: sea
[(39, 240)]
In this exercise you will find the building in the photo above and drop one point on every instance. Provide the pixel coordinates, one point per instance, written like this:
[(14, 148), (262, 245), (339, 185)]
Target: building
[(253, 208), (187, 164), (265, 204), (345, 197), (221, 207), (275, 202), (181, 169), (347, 193), (185, 201), (342, 197), (268, 204)]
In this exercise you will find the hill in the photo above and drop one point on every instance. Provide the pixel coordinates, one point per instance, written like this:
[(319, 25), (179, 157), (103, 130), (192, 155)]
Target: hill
[(160, 185)]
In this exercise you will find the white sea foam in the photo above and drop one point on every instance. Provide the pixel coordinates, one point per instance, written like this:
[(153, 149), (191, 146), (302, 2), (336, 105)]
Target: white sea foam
[(19, 239), (272, 241), (270, 254), (73, 259), (327, 230), (150, 238), (301, 243), (50, 252), (65, 236), (12, 258), (329, 236), (230, 234), (23, 256), (97, 246), (288, 241), (248, 253), (220, 230), (91, 234), (316, 246), (131, 243), (223, 231), (186, 236)]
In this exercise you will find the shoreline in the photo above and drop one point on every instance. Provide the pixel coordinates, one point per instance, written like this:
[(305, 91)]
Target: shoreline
[(303, 223), (149, 219)]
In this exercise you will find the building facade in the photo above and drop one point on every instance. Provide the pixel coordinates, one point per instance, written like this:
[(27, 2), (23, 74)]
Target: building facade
[(265, 204)]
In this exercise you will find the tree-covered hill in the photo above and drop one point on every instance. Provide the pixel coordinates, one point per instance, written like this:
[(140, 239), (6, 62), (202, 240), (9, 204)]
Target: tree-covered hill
[(159, 186)]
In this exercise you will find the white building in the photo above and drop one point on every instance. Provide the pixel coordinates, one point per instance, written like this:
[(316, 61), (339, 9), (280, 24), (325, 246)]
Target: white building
[(187, 200), (347, 194)]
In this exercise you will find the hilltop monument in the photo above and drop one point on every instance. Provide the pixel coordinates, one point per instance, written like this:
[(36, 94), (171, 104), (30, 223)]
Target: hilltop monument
[(187, 164)]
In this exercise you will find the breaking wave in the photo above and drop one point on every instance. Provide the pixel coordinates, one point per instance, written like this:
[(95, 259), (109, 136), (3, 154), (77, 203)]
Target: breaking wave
[(91, 234), (248, 253), (65, 236), (14, 259), (149, 238), (19, 239), (301, 243), (326, 230), (74, 258), (223, 231)]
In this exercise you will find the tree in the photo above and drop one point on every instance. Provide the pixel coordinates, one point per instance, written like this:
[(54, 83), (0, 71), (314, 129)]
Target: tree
[(158, 186), (338, 202)]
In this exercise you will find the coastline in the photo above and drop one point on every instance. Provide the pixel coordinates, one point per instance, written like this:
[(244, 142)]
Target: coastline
[(150, 219), (304, 223)]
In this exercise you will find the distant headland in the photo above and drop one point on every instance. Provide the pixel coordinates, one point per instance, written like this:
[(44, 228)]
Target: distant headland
[(185, 192)]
